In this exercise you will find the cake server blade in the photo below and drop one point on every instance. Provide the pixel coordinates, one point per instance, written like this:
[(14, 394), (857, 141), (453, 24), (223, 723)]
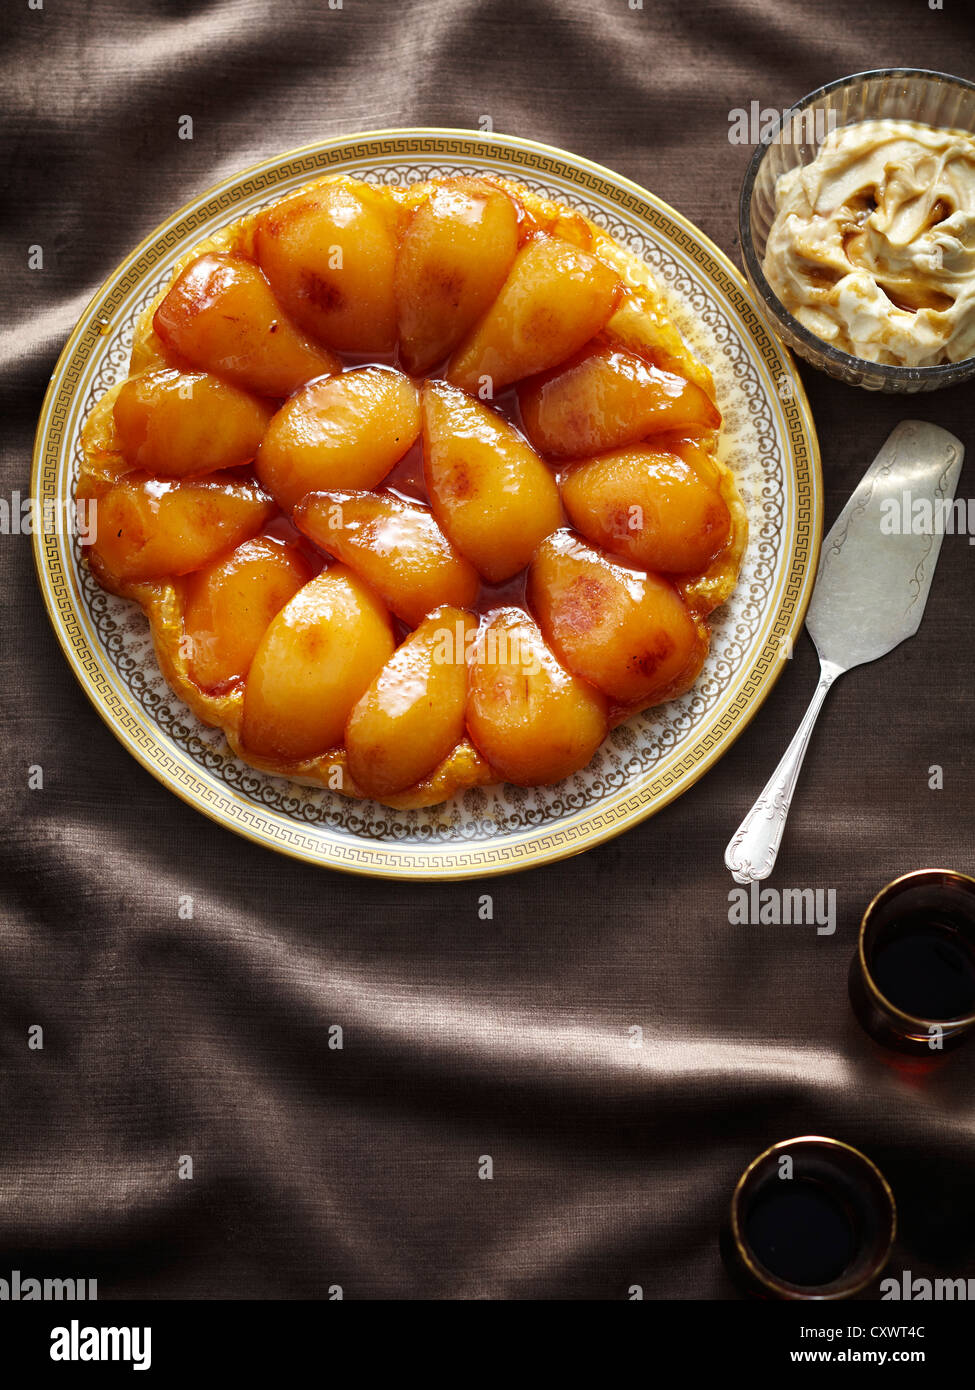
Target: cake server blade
[(875, 573)]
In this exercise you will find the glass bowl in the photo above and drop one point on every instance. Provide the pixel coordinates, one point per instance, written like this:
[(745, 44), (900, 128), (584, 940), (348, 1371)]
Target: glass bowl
[(906, 94)]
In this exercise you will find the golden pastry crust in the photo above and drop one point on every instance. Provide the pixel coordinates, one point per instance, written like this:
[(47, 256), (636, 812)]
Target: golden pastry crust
[(639, 324)]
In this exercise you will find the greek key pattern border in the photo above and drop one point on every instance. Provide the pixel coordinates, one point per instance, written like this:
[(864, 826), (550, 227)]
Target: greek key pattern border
[(368, 855)]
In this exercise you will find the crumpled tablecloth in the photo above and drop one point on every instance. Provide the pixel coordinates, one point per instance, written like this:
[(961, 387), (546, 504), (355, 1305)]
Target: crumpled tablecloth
[(315, 1167)]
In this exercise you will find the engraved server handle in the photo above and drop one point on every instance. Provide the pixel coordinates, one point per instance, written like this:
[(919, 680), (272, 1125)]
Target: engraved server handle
[(752, 850)]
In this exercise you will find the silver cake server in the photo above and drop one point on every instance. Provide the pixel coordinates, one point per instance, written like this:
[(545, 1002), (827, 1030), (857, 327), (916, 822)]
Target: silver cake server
[(875, 572)]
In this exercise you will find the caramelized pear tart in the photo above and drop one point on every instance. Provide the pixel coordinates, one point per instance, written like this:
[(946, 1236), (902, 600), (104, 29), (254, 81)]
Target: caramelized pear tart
[(417, 486)]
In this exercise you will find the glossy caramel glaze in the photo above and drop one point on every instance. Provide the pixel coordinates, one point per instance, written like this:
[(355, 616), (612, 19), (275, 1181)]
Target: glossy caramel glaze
[(341, 476)]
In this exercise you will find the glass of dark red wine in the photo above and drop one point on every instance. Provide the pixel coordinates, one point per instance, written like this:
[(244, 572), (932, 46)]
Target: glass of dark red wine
[(810, 1218), (912, 980)]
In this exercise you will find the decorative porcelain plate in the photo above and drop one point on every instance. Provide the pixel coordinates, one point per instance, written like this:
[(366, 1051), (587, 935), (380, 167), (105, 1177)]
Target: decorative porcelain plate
[(768, 439)]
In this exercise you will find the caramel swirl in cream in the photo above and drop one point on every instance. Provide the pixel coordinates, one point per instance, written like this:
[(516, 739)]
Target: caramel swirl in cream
[(873, 243)]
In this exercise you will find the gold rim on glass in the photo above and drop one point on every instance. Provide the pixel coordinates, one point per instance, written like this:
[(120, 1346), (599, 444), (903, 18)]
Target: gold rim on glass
[(782, 1287), (915, 876)]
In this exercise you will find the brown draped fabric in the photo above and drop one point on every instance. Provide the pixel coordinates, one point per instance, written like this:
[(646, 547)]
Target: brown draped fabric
[(313, 1166)]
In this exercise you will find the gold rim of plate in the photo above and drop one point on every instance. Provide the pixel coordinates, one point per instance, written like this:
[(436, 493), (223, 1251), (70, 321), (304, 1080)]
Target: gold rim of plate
[(570, 834)]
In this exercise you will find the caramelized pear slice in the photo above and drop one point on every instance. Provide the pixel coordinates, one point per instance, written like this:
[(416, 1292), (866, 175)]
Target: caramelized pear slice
[(175, 424), (148, 529), (605, 399), (312, 665), (452, 262), (491, 493), (396, 546), (650, 507), (343, 432), (625, 631), (531, 719), (554, 300), (412, 715), (330, 255), (228, 606), (221, 317)]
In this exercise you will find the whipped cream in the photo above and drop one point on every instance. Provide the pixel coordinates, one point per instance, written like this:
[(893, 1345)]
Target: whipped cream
[(873, 244)]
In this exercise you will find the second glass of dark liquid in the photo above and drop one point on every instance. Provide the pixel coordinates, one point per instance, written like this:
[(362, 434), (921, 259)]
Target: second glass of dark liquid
[(912, 980)]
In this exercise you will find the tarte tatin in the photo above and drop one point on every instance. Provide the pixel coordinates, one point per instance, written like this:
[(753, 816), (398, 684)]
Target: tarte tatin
[(417, 486)]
